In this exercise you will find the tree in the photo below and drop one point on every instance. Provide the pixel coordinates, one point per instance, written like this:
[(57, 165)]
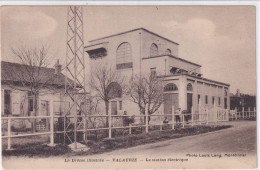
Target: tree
[(107, 83), (147, 92), (29, 74), (93, 109)]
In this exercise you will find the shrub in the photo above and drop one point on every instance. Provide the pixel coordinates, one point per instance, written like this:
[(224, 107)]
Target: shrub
[(128, 120)]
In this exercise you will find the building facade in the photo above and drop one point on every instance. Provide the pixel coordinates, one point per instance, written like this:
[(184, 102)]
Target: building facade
[(140, 51)]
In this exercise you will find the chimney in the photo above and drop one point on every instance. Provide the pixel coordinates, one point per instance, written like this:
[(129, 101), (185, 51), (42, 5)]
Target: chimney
[(57, 68)]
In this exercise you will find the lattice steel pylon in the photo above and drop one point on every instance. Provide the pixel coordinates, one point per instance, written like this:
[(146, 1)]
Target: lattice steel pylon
[(75, 70)]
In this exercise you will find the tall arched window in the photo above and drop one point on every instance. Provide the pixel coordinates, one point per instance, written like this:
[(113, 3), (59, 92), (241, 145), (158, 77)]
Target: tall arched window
[(168, 52), (124, 56), (170, 87), (154, 50), (189, 87)]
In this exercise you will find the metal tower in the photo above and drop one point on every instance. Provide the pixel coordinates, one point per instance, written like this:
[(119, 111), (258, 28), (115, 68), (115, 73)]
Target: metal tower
[(75, 70)]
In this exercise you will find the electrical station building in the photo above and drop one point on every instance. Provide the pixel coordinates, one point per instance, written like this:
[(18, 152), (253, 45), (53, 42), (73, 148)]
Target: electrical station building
[(141, 51)]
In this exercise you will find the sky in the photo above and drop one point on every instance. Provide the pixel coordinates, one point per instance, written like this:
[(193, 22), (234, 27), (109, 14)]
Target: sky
[(220, 38)]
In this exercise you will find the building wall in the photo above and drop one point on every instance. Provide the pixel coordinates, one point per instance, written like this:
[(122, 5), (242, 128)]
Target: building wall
[(20, 101), (140, 41), (112, 44), (163, 65), (173, 62), (148, 39), (200, 87)]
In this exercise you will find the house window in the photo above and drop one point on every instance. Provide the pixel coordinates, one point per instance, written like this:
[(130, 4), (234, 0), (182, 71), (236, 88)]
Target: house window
[(213, 100), (206, 99), (198, 99), (153, 71), (170, 87), (124, 56), (168, 52), (154, 50), (30, 105), (7, 101), (218, 100)]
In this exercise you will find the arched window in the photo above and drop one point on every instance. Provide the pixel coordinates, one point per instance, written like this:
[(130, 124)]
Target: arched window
[(114, 90), (189, 87), (124, 56), (154, 50), (168, 52), (170, 87)]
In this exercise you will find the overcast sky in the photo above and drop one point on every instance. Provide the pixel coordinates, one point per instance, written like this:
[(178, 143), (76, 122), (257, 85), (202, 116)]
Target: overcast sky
[(220, 38)]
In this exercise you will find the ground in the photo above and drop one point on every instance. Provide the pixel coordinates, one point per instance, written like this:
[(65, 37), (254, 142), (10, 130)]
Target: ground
[(240, 140)]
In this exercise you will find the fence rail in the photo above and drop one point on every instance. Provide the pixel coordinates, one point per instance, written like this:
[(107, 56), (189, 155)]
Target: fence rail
[(236, 115), (57, 124)]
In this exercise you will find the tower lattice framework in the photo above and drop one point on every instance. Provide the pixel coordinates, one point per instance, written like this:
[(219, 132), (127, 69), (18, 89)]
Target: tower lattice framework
[(75, 71)]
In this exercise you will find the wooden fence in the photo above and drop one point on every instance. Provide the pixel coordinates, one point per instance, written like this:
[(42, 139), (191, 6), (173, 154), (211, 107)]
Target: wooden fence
[(82, 123), (243, 114)]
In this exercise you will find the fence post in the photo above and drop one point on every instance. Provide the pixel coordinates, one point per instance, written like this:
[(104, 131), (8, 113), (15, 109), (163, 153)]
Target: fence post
[(192, 112), (248, 112), (236, 113), (207, 111), (173, 117), (183, 121), (130, 129), (146, 122), (243, 112), (51, 124), (109, 121), (64, 128), (85, 129), (9, 134), (254, 112), (227, 114)]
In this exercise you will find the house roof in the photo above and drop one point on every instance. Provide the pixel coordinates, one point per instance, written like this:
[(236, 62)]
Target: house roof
[(14, 72), (133, 31)]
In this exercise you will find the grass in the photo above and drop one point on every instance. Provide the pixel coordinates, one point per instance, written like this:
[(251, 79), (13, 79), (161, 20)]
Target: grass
[(105, 145)]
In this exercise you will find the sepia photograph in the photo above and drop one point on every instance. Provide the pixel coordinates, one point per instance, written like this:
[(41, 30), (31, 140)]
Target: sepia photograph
[(128, 87)]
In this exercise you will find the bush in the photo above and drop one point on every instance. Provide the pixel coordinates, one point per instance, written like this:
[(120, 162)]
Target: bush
[(37, 149), (128, 120)]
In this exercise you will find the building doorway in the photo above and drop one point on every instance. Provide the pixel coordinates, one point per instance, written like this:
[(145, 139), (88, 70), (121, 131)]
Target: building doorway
[(114, 108), (170, 99), (189, 102), (225, 103)]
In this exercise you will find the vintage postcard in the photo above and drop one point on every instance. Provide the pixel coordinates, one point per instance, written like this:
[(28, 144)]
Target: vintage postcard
[(128, 87)]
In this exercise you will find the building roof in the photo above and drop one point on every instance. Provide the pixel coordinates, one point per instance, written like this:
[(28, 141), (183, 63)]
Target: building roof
[(199, 78), (133, 31), (14, 72), (173, 57)]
